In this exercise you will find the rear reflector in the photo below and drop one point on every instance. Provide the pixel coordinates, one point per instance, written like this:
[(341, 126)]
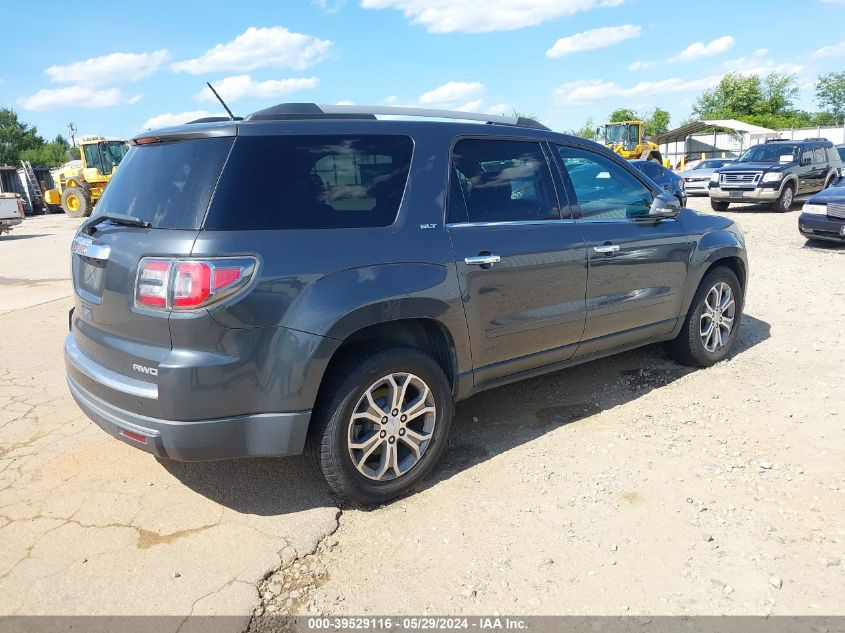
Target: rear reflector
[(188, 284), (153, 279), (133, 436)]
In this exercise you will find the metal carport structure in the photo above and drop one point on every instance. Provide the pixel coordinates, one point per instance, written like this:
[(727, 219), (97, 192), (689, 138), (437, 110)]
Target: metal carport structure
[(748, 135)]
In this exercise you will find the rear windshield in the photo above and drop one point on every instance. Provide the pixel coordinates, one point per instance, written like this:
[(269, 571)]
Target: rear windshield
[(168, 185), (311, 182)]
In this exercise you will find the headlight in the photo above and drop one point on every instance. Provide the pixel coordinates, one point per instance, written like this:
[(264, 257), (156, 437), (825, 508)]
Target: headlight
[(772, 176), (820, 209), (714, 177)]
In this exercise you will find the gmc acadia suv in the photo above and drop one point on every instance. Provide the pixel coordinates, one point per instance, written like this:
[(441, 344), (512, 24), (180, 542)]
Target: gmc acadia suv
[(312, 278), (775, 172)]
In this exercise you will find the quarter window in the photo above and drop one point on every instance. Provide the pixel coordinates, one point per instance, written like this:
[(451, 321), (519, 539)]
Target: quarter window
[(311, 182), (606, 191), (500, 181)]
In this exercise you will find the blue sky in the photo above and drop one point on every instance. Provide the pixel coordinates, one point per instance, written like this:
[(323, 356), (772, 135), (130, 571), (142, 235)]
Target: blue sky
[(145, 63)]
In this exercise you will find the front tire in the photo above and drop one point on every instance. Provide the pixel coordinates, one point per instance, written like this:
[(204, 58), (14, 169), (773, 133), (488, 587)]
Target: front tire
[(712, 323), (785, 199), (75, 203), (381, 424), (719, 205)]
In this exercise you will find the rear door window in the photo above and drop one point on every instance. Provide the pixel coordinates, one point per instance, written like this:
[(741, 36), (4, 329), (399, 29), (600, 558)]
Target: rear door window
[(168, 184), (500, 181), (311, 182), (819, 156)]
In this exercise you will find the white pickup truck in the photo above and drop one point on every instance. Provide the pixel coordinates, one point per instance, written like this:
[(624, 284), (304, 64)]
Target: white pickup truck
[(11, 211)]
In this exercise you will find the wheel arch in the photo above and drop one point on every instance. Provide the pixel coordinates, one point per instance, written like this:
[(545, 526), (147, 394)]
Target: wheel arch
[(427, 335)]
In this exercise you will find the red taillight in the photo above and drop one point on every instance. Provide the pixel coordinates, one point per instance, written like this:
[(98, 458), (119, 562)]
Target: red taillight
[(192, 284), (185, 284)]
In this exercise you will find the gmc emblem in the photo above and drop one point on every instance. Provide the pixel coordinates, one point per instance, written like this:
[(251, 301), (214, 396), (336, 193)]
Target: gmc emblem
[(152, 371)]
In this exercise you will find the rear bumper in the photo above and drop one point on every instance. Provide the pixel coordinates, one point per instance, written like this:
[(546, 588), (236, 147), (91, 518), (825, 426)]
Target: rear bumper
[(256, 435), (821, 227), (7, 223)]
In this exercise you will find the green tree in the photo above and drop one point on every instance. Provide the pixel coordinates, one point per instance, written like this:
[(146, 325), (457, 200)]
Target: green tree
[(779, 93), (830, 95), (656, 122), (735, 94), (623, 114), (15, 137), (47, 155), (588, 130)]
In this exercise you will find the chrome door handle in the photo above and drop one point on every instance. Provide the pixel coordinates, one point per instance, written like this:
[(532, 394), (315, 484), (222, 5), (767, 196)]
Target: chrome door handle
[(606, 249), (482, 260)]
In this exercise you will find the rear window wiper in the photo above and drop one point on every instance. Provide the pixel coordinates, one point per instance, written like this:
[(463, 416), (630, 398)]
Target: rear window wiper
[(115, 218)]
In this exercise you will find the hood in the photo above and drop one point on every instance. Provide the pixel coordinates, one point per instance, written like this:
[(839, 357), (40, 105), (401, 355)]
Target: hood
[(696, 173), (756, 167), (834, 194)]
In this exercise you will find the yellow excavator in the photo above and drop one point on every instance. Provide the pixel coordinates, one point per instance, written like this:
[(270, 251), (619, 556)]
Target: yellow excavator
[(81, 182), (627, 139)]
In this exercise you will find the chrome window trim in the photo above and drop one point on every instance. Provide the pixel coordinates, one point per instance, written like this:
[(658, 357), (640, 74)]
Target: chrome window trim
[(459, 225)]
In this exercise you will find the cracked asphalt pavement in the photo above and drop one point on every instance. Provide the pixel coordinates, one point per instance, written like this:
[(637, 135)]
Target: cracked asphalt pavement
[(630, 485), (89, 525)]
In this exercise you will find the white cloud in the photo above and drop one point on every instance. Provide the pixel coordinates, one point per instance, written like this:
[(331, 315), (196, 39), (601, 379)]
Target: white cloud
[(640, 65), (452, 93), (698, 50), (168, 119), (592, 39), (833, 50), (590, 91), (270, 47), (758, 63), (505, 109), (75, 96), (116, 68), (345, 102), (243, 86), (484, 16)]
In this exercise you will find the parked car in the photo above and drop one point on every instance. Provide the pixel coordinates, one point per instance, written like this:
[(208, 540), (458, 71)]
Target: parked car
[(666, 179), (840, 149), (11, 211), (697, 177), (823, 215), (775, 172), (395, 268)]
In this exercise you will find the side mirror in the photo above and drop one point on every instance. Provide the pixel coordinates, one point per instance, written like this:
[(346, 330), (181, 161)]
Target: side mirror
[(664, 207)]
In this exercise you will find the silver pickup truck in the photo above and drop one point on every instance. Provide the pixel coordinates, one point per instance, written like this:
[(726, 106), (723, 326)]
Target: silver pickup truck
[(11, 211)]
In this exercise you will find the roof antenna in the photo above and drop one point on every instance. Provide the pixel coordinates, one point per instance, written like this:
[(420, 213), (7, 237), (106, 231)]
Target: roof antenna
[(223, 103)]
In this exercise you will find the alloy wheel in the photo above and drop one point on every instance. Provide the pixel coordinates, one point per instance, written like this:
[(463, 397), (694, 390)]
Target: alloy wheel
[(391, 426), (717, 317)]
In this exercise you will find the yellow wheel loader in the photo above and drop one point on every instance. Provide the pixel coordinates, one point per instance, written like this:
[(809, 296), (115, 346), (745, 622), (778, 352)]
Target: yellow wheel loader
[(627, 139), (81, 182)]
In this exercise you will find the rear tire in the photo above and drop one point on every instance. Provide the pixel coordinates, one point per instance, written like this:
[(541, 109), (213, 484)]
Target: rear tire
[(785, 199), (75, 203), (719, 205), (345, 419), (693, 346)]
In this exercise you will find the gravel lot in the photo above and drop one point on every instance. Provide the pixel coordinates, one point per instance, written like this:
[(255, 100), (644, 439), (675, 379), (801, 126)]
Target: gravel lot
[(626, 486)]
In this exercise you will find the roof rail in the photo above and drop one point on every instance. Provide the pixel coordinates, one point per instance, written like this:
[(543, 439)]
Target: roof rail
[(213, 119), (816, 138), (289, 111)]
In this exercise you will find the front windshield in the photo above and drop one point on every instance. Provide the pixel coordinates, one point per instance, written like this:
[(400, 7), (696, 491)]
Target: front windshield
[(615, 133), (712, 164), (112, 152), (771, 153)]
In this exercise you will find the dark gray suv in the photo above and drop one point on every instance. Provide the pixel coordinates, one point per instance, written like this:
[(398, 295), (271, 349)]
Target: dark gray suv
[(312, 278)]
